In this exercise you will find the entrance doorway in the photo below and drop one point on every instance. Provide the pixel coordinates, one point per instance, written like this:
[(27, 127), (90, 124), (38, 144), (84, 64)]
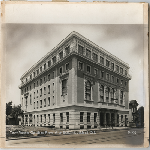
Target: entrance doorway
[(107, 119), (101, 119)]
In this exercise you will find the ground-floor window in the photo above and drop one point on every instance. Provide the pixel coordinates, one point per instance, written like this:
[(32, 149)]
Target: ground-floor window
[(61, 117), (95, 116), (44, 117), (88, 117), (41, 118), (53, 118), (81, 116), (67, 115), (48, 117)]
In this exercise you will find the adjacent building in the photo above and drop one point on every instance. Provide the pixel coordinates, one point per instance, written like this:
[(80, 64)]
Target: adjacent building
[(77, 85)]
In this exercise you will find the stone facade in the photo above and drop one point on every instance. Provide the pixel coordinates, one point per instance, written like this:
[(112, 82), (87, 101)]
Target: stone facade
[(76, 85)]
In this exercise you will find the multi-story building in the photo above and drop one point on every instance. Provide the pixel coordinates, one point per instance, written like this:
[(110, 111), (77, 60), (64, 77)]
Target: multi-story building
[(76, 85)]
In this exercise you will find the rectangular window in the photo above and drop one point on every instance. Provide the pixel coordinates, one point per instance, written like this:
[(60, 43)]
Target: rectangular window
[(102, 74), (112, 66), (121, 70), (60, 70), (37, 118), (53, 118), (67, 50), (45, 102), (40, 92), (48, 117), (37, 71), (49, 63), (67, 115), (88, 53), (34, 95), (107, 76), (44, 118), (88, 69), (34, 105), (64, 87), (37, 83), (48, 101), (31, 76), (44, 79), (48, 89), (41, 118), (54, 59), (49, 77), (37, 93), (53, 74), (102, 60), (117, 68), (80, 49), (88, 117), (45, 90), (95, 116), (121, 82), (61, 55), (61, 117), (125, 72), (112, 79), (107, 63), (45, 66), (117, 80), (95, 71), (95, 57), (81, 116), (37, 104), (40, 103), (67, 66), (41, 69), (40, 81), (80, 65), (34, 74)]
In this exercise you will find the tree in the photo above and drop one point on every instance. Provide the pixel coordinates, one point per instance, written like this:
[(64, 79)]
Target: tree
[(8, 108), (16, 111)]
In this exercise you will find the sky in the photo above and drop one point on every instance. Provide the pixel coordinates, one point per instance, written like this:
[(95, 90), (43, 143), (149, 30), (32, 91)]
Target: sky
[(27, 43)]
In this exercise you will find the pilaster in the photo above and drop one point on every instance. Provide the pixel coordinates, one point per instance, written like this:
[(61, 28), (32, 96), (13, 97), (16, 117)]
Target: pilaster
[(57, 120), (92, 120)]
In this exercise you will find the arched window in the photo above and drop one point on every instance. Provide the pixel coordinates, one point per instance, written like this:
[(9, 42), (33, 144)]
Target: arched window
[(107, 94), (88, 90), (102, 93)]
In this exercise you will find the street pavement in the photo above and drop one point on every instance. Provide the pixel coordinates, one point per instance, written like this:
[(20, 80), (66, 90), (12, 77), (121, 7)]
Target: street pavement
[(131, 136)]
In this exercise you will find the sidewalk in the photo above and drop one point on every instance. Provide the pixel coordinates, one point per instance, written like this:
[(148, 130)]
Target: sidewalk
[(56, 132)]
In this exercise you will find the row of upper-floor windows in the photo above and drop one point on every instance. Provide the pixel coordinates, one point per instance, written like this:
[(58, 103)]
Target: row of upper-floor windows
[(43, 118), (48, 64), (36, 105), (89, 54), (44, 89), (108, 63), (46, 78), (103, 74)]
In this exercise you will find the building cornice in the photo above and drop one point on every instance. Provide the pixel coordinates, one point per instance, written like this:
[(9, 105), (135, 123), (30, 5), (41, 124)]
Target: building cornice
[(80, 37)]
